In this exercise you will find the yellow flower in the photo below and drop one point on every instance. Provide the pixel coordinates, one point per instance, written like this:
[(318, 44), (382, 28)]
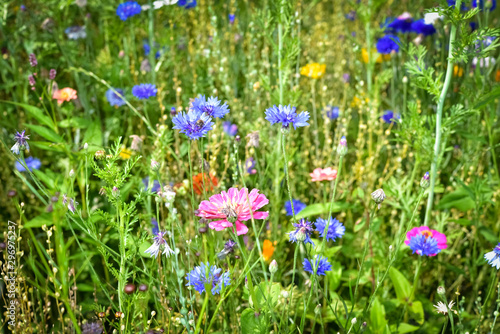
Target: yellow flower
[(313, 70), (458, 71), (380, 58), (356, 102), (125, 153)]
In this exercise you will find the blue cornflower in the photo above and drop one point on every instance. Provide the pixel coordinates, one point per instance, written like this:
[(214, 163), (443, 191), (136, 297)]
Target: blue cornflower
[(186, 3), (452, 3), (147, 50), (194, 124), (297, 207), (206, 274), (390, 117), (387, 44), (155, 229), (332, 112), (335, 228), (420, 27), (156, 185), (211, 107), (286, 115), (113, 98), (144, 91), (399, 25), (424, 245), (159, 240), (128, 9), (31, 163), (493, 257), (231, 18), (319, 265), (229, 128), (21, 142), (351, 16), (302, 232), (76, 32), (491, 4)]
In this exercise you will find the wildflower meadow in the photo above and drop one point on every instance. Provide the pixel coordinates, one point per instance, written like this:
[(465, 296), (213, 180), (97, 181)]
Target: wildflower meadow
[(264, 166)]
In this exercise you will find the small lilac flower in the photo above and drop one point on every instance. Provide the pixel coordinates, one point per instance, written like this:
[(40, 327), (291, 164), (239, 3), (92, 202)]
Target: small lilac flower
[(128, 9), (159, 241), (346, 77), (302, 232), (33, 61), (390, 117), (52, 74), (31, 163), (388, 44), (92, 328), (420, 27), (155, 229), (297, 207), (70, 202), (156, 185), (332, 112), (206, 274), (250, 166), (21, 142), (187, 4), (319, 265), (351, 16), (335, 228), (231, 18), (493, 257), (194, 123), (287, 115), (211, 107), (144, 91), (229, 247), (113, 98), (230, 129), (76, 32), (31, 80)]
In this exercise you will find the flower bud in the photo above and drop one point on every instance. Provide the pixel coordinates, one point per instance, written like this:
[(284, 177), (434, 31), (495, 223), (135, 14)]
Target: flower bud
[(317, 309), (155, 165), (129, 288), (353, 321), (273, 267), (342, 148), (378, 196), (441, 291), (85, 146), (99, 154), (71, 173), (424, 182), (116, 191), (301, 235)]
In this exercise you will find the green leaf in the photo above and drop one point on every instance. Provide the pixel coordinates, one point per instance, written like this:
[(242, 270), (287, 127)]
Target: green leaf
[(252, 324), (43, 219), (401, 285), (47, 146), (417, 312), (334, 275), (403, 328), (37, 113), (377, 317), (320, 208), (93, 135), (267, 294), (48, 134), (142, 248), (76, 122), (488, 98), (459, 199)]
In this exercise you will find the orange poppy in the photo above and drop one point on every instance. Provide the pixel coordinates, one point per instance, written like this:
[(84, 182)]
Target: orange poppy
[(199, 182), (497, 77), (267, 250)]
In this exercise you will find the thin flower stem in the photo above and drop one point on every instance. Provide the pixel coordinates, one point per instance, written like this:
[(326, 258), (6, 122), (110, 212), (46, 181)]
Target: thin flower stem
[(200, 316), (315, 116), (293, 280), (413, 288), (303, 318), (323, 243), (191, 175), (439, 117), (283, 143)]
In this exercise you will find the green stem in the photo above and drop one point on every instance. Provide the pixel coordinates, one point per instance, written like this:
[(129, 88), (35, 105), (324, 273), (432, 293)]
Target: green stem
[(283, 143), (323, 243), (439, 117), (200, 317)]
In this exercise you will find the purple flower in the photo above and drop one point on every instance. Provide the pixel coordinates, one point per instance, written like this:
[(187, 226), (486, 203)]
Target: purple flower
[(155, 229), (195, 124), (420, 27), (319, 265), (128, 9), (388, 44), (493, 257), (31, 80), (230, 129), (390, 117), (31, 163), (351, 16), (144, 91), (287, 115), (70, 202), (332, 112), (206, 274), (113, 98), (92, 328), (211, 107), (335, 228), (33, 61), (297, 207), (229, 247), (346, 77), (158, 242), (52, 74), (424, 245), (156, 185), (21, 142), (231, 18), (249, 166), (302, 232)]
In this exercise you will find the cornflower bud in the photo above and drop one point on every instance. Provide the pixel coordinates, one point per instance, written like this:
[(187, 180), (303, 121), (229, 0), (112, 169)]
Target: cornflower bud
[(273, 267), (378, 196), (342, 148), (424, 182)]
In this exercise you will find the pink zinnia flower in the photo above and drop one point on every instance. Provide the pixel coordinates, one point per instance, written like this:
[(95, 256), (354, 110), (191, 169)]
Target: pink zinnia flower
[(425, 241), (232, 207), (65, 94), (327, 174)]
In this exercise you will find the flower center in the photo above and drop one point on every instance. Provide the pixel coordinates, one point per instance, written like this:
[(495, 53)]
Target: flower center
[(229, 211), (427, 234)]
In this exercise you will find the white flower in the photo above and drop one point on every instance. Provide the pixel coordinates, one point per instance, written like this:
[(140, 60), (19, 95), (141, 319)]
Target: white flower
[(431, 18), (442, 308)]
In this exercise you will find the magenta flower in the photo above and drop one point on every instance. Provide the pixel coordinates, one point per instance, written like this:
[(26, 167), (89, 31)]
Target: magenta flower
[(232, 207), (425, 241)]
